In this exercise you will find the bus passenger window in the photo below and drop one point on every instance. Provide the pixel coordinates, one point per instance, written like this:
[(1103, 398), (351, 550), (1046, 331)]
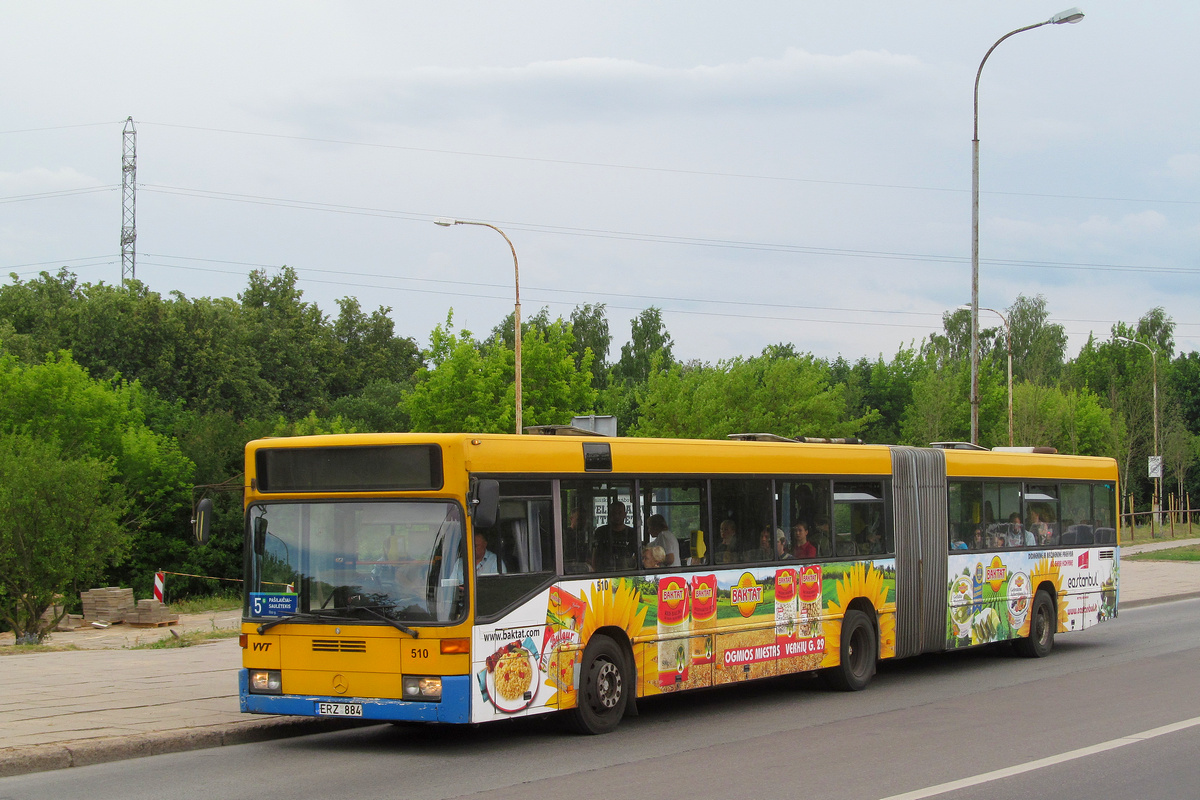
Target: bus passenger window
[(673, 533), (860, 519), (805, 503), (745, 511)]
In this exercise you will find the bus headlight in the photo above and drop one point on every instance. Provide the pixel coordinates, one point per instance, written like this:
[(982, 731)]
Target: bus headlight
[(419, 687), (266, 681)]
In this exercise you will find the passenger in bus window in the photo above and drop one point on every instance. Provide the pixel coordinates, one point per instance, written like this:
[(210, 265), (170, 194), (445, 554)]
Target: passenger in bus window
[(616, 547), (1042, 532), (653, 557), (871, 543), (801, 546), (660, 536), (977, 541), (1017, 535), (764, 551), (573, 538), (782, 550), (727, 549), (997, 538)]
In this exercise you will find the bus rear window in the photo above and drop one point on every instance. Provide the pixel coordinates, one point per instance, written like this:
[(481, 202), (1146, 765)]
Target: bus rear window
[(349, 469)]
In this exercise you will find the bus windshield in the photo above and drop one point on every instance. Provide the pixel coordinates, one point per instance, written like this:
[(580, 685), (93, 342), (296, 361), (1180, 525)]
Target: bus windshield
[(399, 559)]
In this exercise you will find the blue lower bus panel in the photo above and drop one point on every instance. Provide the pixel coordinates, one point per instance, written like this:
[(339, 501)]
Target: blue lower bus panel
[(455, 705)]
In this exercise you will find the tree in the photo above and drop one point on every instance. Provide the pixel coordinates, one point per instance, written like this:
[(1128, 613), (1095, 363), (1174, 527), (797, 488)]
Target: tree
[(1039, 347), (87, 419), (60, 527), (293, 340), (940, 409), (648, 336), (1178, 450), (786, 396), (1158, 329), (589, 326), (462, 389)]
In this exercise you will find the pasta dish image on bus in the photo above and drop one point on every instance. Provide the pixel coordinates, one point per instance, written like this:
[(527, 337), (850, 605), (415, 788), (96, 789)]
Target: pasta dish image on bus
[(463, 578)]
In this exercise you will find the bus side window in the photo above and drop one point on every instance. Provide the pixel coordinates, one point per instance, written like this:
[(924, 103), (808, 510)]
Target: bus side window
[(601, 536), (743, 512)]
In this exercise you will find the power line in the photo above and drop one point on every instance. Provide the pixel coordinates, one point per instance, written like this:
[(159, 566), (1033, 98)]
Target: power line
[(62, 127), (18, 198), (665, 170), (658, 238), (653, 299)]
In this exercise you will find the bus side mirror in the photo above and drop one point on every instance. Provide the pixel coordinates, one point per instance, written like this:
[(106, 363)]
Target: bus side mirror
[(260, 536), (485, 503), (203, 519)]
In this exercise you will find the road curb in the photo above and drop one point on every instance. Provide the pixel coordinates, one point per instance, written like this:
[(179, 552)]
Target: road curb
[(46, 757), (1153, 601)]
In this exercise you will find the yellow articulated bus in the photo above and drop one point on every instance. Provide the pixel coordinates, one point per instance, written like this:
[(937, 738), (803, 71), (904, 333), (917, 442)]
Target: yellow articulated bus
[(472, 577)]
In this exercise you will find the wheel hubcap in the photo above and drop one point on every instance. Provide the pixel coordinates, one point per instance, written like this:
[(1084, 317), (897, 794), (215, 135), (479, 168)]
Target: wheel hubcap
[(608, 685)]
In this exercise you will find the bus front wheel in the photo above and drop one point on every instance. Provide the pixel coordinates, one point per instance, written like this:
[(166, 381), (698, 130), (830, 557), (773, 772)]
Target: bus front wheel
[(603, 687), (857, 654), (1042, 621)]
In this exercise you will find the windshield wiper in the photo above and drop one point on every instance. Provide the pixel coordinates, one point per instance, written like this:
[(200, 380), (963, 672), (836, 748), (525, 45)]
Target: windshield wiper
[(333, 613), (371, 610)]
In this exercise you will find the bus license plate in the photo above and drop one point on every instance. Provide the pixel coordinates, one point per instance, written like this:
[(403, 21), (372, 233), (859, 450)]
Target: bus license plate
[(339, 709)]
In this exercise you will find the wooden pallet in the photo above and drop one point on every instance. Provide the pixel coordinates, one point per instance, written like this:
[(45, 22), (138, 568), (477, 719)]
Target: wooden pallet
[(151, 624)]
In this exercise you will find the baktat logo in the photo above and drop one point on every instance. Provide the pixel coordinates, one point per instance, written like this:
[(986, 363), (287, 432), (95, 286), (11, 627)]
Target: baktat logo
[(746, 595), (996, 574)]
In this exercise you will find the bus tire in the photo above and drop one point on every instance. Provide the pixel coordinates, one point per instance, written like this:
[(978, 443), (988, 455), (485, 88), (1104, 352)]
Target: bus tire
[(857, 656), (603, 687), (1042, 620)]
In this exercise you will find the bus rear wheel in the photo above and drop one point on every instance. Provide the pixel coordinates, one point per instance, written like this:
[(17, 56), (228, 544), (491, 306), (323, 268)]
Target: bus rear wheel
[(858, 654), (603, 687), (1040, 641)]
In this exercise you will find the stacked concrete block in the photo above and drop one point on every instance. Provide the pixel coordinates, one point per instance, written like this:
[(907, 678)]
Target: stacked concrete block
[(111, 604), (150, 613)]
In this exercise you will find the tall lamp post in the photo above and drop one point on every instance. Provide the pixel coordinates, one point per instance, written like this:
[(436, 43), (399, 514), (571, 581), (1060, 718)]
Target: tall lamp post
[(1008, 339), (1071, 15), (447, 222), (1158, 478)]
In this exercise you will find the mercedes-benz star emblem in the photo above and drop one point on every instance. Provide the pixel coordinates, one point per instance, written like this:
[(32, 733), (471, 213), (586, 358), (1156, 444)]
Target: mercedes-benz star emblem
[(340, 684)]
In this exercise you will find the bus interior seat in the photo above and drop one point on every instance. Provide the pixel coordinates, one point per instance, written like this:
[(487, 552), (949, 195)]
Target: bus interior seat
[(1106, 535)]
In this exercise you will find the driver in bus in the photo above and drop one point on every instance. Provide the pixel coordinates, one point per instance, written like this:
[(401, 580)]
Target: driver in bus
[(485, 560)]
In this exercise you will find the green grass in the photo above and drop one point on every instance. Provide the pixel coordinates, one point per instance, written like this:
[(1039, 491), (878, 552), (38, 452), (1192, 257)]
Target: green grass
[(1186, 553), (203, 605), (187, 639), (1141, 534)]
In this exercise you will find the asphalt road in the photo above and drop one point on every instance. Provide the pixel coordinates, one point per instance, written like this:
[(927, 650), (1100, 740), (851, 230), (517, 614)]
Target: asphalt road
[(937, 726)]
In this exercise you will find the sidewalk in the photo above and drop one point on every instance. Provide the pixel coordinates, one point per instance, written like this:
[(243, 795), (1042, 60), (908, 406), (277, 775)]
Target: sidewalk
[(104, 703)]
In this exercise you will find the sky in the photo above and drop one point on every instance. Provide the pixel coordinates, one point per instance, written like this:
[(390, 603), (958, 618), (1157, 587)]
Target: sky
[(762, 172)]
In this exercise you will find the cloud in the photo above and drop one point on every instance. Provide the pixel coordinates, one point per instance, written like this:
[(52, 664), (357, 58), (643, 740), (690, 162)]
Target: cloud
[(1184, 167), (581, 89)]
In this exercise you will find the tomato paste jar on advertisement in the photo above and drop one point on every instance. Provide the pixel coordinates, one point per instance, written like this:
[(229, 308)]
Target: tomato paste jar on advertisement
[(673, 627), (704, 617), (786, 609)]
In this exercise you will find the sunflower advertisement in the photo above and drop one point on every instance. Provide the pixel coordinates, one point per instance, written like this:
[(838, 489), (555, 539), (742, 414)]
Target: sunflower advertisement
[(687, 631), (990, 596)]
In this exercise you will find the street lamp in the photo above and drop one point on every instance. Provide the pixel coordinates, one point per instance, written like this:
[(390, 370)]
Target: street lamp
[(447, 222), (1158, 478), (1008, 338), (1071, 15)]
